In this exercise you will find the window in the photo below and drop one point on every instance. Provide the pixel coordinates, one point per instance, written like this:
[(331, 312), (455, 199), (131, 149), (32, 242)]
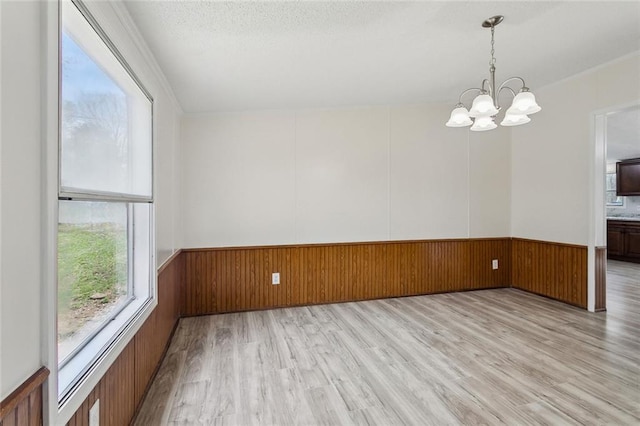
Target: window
[(611, 199), (105, 207)]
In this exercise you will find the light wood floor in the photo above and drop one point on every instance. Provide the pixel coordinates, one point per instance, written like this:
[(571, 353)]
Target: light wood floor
[(482, 357)]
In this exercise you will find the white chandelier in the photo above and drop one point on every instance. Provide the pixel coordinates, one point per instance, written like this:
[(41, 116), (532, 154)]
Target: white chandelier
[(485, 106)]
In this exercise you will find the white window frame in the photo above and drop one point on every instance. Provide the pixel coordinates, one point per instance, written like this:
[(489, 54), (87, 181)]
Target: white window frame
[(55, 413)]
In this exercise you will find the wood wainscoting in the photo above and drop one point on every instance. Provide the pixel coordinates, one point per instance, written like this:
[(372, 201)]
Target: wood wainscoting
[(239, 278), (122, 388), (24, 405), (550, 269), (216, 280), (601, 279)]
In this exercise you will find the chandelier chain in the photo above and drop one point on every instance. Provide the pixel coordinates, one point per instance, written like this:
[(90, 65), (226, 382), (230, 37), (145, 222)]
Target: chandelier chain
[(493, 50)]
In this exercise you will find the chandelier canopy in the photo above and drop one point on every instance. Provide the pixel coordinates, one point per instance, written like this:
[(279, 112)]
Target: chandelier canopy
[(486, 106)]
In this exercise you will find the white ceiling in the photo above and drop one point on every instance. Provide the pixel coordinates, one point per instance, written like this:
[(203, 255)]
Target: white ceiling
[(228, 56), (623, 135)]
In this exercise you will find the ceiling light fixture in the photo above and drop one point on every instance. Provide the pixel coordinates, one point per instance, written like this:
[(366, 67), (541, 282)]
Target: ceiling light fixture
[(485, 106)]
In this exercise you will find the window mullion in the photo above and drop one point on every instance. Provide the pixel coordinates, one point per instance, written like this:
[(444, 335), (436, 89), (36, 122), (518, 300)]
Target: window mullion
[(86, 195)]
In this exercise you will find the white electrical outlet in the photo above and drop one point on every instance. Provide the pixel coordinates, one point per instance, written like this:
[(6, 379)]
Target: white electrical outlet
[(94, 414), (275, 278), (494, 263)]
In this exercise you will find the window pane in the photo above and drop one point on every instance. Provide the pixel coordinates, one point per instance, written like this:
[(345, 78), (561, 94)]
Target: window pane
[(613, 200), (93, 269), (611, 182), (106, 118)]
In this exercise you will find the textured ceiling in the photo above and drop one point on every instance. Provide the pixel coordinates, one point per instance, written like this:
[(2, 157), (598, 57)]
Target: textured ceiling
[(229, 56)]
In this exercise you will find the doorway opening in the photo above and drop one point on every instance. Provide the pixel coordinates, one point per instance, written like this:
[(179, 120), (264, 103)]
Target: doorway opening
[(616, 237)]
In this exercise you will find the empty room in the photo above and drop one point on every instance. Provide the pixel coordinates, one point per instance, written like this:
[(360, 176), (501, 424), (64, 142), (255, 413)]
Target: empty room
[(319, 212)]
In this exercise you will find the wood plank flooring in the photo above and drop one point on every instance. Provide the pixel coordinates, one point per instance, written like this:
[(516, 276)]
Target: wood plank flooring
[(484, 357)]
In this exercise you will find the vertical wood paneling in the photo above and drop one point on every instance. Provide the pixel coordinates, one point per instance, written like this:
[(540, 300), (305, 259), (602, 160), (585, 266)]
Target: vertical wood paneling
[(35, 407), (116, 391), (123, 386), (341, 272), (23, 407), (311, 274), (483, 252), (554, 270), (152, 338), (601, 279)]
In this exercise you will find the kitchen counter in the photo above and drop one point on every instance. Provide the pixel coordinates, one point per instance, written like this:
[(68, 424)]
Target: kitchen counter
[(625, 218)]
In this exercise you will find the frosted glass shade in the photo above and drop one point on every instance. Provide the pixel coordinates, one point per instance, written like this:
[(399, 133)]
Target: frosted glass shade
[(524, 104), (482, 124), (459, 118), (514, 120), (483, 107)]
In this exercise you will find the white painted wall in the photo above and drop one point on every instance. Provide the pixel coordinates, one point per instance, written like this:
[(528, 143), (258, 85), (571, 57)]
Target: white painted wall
[(21, 204), (335, 175), (22, 198), (551, 156), (1, 279), (341, 175), (240, 191), (490, 183), (428, 179), (167, 175)]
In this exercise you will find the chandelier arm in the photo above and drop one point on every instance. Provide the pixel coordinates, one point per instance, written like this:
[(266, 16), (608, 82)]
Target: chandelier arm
[(487, 83), (467, 91), (504, 84), (513, 92), (503, 87)]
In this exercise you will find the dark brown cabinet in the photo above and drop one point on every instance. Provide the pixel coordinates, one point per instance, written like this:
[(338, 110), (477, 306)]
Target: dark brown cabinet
[(628, 177), (633, 243), (623, 240), (615, 240)]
